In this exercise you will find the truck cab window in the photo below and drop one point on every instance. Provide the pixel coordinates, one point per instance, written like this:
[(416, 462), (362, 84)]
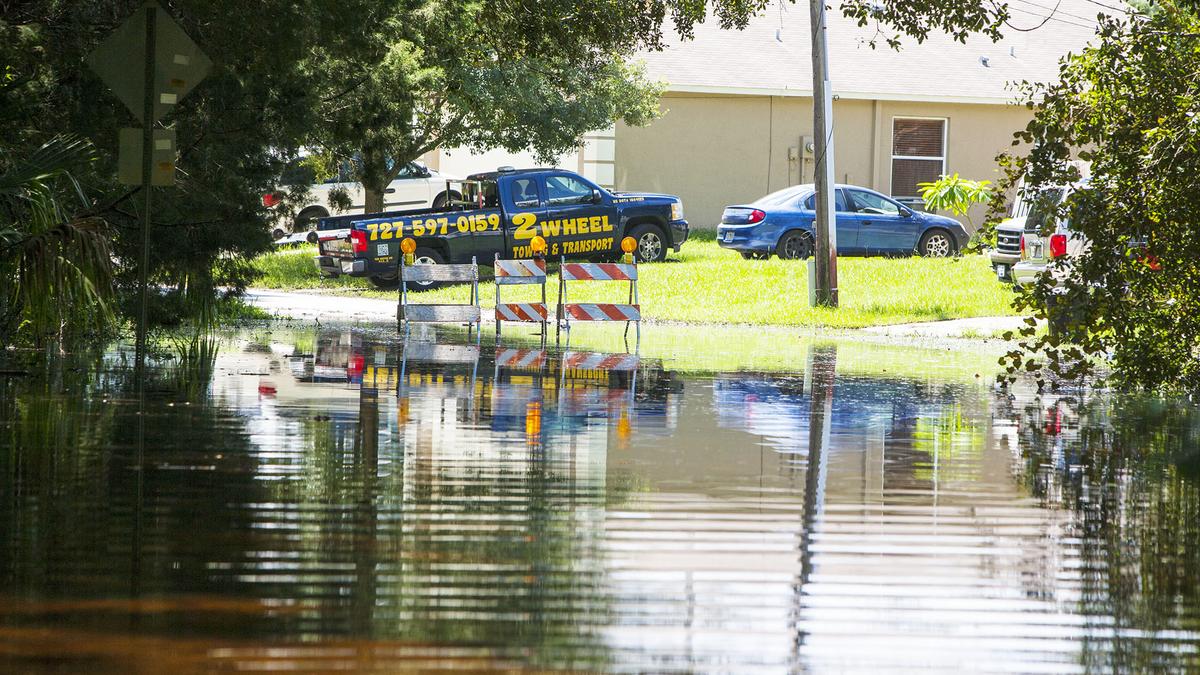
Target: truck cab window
[(566, 190), (524, 193)]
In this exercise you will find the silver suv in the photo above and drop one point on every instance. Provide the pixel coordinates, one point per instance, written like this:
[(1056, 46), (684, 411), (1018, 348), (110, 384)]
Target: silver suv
[(1037, 250)]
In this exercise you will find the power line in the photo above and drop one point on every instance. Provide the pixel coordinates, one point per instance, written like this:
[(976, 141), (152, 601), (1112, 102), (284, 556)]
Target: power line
[(1045, 19), (1052, 10)]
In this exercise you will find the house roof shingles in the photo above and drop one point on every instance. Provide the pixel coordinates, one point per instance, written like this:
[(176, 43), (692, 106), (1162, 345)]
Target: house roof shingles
[(755, 61)]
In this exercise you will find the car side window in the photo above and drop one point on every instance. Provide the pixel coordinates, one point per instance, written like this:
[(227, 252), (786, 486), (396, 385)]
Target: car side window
[(567, 190), (872, 204), (839, 202), (409, 170), (524, 193)]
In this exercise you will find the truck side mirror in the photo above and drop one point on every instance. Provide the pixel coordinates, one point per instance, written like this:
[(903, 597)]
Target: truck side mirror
[(596, 196)]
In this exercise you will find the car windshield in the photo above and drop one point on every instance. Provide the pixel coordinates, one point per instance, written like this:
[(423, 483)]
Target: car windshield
[(1041, 208), (781, 197)]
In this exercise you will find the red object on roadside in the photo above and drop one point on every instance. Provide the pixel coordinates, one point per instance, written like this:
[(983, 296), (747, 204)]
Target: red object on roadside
[(271, 199), (1058, 245), (358, 241), (756, 216), (354, 368)]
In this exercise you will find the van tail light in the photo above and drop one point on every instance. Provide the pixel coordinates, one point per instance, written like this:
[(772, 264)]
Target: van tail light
[(756, 216), (1058, 245), (1022, 246), (271, 199), (358, 241)]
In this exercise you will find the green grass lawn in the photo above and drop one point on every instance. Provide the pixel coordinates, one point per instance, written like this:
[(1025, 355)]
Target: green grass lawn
[(707, 284)]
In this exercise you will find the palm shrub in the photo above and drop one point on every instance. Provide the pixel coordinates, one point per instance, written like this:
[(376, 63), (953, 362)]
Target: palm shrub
[(55, 264)]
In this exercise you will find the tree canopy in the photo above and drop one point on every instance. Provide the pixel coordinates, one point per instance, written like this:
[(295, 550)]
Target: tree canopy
[(1127, 105)]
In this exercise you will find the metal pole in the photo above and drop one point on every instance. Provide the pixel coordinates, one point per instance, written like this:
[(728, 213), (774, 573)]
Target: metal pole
[(826, 245), (147, 150)]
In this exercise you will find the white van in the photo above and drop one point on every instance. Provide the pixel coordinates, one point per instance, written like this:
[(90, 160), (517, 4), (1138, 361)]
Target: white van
[(415, 187)]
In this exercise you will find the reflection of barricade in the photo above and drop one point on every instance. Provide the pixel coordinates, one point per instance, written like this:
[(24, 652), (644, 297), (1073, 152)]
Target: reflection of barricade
[(520, 272), (426, 352), (414, 313), (592, 311)]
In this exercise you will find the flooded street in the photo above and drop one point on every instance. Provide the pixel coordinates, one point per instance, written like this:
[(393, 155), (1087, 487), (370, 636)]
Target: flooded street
[(336, 499)]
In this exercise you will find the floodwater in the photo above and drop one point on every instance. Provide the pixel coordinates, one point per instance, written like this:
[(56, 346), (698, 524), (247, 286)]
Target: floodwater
[(334, 500)]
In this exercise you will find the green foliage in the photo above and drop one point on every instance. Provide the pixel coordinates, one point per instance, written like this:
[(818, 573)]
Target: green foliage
[(956, 195), (55, 264), (1126, 105)]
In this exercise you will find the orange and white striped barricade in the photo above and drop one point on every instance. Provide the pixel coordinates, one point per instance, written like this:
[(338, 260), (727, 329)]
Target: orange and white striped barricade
[(520, 273), (409, 312), (599, 311)]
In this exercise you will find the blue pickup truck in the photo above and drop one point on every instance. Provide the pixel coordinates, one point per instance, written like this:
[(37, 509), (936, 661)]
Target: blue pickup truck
[(500, 212)]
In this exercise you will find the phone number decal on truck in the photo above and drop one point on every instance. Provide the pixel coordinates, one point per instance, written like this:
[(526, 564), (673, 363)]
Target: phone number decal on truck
[(440, 226)]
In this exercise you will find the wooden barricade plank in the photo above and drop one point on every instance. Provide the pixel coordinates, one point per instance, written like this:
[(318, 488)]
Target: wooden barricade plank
[(441, 273), (440, 313)]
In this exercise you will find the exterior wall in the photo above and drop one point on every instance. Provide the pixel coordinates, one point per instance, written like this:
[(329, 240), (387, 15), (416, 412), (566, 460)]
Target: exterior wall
[(716, 150)]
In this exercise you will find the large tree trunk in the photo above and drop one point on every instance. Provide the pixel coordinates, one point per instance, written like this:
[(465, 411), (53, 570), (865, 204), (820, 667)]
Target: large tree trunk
[(373, 198)]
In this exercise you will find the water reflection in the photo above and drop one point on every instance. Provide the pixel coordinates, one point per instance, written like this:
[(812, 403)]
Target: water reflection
[(337, 500)]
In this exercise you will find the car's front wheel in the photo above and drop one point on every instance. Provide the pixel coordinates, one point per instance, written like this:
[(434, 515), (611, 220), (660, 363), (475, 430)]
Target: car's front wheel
[(651, 243), (441, 200), (937, 244), (795, 246)]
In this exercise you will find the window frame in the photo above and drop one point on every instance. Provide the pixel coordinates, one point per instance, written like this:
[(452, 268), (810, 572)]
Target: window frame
[(892, 151), (586, 197), (853, 200)]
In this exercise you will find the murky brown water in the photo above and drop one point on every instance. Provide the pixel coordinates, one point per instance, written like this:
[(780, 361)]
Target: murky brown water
[(329, 501)]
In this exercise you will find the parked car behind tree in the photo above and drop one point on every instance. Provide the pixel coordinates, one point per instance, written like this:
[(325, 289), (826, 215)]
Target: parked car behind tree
[(867, 223)]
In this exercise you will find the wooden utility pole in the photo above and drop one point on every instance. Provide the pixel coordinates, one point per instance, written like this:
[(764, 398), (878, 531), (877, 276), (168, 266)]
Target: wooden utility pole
[(825, 290)]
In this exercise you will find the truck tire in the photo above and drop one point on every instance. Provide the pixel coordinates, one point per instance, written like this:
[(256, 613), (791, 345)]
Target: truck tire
[(937, 243), (426, 256), (385, 282), (651, 243), (307, 219)]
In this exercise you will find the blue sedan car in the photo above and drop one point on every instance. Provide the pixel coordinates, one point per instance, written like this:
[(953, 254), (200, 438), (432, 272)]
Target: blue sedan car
[(868, 223)]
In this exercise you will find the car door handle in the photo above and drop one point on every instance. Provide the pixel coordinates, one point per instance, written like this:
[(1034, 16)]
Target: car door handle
[(390, 191)]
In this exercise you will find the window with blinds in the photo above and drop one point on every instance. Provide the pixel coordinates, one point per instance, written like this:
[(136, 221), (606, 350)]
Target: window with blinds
[(918, 154)]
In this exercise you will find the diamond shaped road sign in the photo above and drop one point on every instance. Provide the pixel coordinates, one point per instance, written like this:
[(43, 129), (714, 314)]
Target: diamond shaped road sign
[(178, 63)]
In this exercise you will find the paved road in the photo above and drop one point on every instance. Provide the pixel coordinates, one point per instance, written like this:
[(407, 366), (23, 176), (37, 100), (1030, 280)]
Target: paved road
[(322, 307)]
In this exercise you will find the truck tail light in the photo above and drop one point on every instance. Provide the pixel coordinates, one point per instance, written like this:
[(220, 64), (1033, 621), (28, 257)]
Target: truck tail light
[(1022, 246), (358, 241), (271, 199), (756, 216), (1058, 245)]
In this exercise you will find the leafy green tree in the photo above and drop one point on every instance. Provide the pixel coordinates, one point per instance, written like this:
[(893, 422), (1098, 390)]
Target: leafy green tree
[(956, 195), (55, 265), (1127, 104)]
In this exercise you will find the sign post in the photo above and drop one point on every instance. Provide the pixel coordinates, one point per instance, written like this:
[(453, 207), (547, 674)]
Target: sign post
[(171, 65)]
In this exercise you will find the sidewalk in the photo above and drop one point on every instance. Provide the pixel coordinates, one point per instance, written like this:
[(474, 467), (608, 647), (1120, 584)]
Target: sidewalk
[(982, 326), (325, 307)]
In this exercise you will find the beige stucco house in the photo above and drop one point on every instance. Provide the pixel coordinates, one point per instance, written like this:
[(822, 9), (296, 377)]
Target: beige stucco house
[(736, 118)]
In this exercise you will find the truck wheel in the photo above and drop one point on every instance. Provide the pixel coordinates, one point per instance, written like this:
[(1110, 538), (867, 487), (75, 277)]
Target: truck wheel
[(385, 282), (426, 256), (937, 244), (651, 243), (795, 245), (307, 219)]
